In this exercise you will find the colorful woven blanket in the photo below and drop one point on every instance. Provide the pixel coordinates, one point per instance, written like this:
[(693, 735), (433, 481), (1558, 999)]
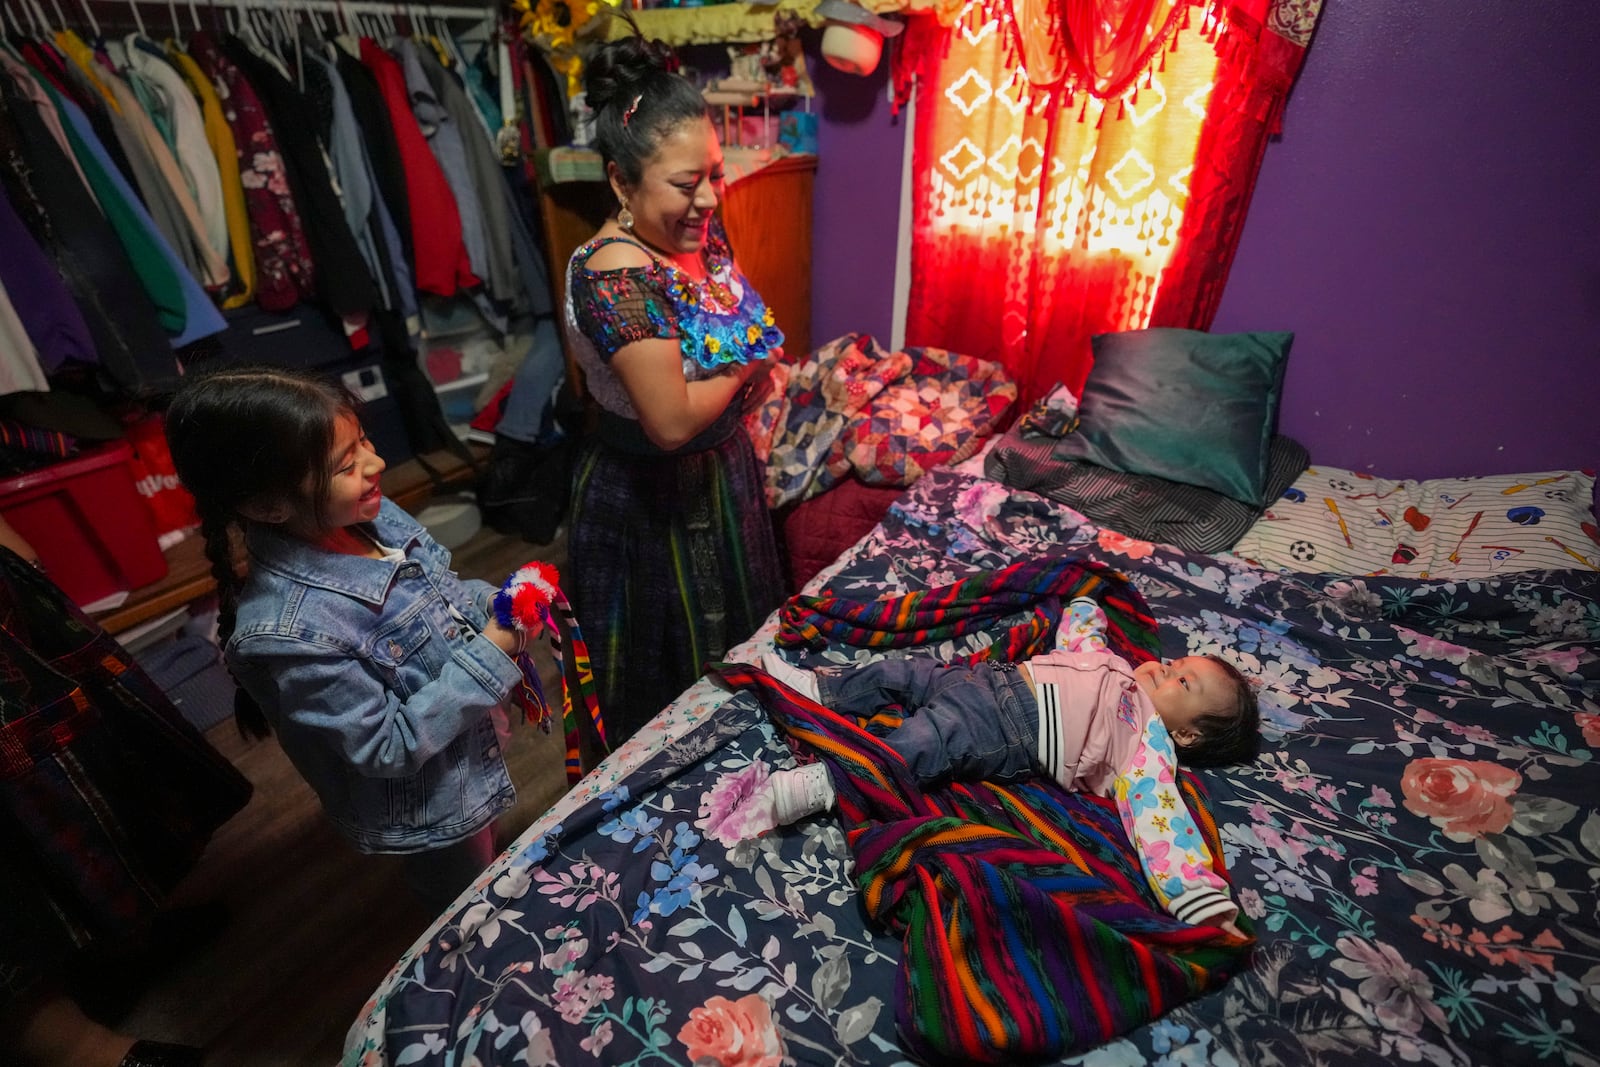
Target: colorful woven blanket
[(1028, 928), (1036, 586)]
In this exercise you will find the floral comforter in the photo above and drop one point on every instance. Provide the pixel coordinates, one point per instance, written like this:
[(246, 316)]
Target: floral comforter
[(1418, 845)]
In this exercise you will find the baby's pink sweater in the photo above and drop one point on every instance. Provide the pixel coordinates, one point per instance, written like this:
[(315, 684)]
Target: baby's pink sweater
[(1100, 720)]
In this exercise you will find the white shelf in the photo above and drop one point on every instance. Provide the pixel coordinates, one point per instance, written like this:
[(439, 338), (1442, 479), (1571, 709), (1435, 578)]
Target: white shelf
[(466, 381)]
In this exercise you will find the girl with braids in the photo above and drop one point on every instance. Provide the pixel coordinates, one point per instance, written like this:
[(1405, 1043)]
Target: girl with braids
[(377, 666), (671, 546)]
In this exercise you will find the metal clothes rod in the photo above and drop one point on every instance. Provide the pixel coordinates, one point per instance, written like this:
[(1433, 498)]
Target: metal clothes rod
[(326, 7), (357, 7)]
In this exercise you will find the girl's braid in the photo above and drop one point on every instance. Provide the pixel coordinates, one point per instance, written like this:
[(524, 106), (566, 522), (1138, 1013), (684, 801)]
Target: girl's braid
[(217, 532)]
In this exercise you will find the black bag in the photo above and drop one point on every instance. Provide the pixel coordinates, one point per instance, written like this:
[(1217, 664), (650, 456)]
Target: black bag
[(526, 488)]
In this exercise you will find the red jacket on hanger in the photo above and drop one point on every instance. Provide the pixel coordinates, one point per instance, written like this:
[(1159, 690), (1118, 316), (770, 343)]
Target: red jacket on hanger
[(442, 265)]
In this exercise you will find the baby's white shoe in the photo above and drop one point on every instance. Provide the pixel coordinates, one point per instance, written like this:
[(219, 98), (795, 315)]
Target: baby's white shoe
[(800, 680), (800, 792)]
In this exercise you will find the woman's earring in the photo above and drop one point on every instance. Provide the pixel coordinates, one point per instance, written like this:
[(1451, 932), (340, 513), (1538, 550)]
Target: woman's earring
[(625, 218)]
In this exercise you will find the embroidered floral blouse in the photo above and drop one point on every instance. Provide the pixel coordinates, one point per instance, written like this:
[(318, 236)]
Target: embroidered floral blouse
[(718, 322)]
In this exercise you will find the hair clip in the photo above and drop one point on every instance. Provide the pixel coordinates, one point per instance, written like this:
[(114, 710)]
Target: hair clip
[(630, 109)]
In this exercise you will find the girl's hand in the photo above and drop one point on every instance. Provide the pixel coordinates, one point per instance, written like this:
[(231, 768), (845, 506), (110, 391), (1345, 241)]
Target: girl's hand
[(511, 642)]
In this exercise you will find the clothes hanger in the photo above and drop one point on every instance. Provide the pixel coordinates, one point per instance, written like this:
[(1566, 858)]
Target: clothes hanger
[(138, 20), (94, 24), (291, 45), (44, 23), (451, 44), (314, 17)]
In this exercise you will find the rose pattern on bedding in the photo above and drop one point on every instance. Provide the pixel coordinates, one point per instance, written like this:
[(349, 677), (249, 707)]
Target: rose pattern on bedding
[(1415, 847)]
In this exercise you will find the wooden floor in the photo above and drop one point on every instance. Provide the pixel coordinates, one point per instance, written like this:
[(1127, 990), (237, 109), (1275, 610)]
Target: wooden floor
[(314, 926)]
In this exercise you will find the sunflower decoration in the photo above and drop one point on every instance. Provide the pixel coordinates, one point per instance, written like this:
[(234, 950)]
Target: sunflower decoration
[(555, 26)]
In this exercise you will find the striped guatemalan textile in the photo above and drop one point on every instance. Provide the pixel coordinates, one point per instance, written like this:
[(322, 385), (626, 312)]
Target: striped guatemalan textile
[(1029, 929), (1039, 586)]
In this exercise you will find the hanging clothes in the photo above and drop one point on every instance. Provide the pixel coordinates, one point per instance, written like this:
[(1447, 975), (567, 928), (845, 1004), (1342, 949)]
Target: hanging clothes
[(107, 796), (543, 94), (483, 86), (219, 135), (64, 219), (484, 174), (533, 268), (52, 66), (141, 171), (284, 271), (444, 141), (20, 371), (33, 90), (41, 298), (364, 208), (442, 266), (189, 241), (159, 270), (383, 151), (343, 282), (191, 148)]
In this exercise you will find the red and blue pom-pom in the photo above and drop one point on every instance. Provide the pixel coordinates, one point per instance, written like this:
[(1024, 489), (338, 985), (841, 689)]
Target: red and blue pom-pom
[(523, 603), (531, 602)]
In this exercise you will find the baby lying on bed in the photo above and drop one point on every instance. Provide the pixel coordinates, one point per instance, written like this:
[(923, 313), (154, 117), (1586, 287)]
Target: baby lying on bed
[(1079, 714)]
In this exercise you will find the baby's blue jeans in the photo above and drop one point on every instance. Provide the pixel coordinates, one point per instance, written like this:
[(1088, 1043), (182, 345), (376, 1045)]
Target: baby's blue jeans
[(963, 723)]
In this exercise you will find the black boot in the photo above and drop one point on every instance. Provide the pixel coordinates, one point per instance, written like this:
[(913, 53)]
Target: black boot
[(161, 1054)]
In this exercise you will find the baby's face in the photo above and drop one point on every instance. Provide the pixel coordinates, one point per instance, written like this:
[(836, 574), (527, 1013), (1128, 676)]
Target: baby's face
[(1184, 690)]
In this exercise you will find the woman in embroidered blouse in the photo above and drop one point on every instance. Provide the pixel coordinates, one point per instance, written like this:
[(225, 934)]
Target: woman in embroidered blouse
[(672, 551)]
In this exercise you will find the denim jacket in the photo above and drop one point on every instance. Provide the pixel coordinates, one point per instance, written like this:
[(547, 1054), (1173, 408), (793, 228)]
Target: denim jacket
[(379, 695)]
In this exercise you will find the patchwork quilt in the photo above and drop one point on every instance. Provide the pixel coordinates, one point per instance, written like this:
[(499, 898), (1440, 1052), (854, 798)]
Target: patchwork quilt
[(888, 417)]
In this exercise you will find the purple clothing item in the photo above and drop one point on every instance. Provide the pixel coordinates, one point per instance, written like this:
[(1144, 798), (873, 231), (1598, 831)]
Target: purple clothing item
[(42, 301)]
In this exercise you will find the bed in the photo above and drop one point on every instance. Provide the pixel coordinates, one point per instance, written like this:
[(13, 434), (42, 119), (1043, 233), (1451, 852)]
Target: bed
[(1417, 848)]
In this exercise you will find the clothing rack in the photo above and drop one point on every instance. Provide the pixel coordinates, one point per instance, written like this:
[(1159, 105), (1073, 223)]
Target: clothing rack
[(67, 12)]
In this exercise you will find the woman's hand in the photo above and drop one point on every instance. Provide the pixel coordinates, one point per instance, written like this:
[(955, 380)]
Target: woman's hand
[(758, 385)]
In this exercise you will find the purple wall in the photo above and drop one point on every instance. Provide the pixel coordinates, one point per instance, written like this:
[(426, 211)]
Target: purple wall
[(1428, 228), (857, 202)]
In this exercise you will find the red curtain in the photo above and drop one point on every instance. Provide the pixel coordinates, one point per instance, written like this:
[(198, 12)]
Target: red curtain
[(1260, 56), (1073, 159)]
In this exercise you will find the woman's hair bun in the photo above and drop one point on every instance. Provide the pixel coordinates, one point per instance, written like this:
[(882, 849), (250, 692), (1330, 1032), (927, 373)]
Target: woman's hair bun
[(620, 69)]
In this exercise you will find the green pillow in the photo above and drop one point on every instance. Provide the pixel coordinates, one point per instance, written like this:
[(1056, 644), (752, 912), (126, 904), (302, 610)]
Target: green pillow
[(1191, 407)]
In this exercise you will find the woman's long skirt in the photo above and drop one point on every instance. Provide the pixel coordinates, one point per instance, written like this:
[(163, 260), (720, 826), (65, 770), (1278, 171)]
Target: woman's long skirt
[(673, 563)]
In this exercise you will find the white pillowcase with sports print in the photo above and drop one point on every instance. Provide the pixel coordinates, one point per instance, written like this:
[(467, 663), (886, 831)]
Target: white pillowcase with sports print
[(1336, 521)]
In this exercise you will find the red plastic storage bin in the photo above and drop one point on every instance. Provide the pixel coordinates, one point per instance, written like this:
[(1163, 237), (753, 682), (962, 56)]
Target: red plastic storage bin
[(92, 530)]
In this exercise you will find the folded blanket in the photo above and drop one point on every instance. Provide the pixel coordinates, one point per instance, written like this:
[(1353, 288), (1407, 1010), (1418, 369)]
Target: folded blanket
[(854, 407), (1028, 928)]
